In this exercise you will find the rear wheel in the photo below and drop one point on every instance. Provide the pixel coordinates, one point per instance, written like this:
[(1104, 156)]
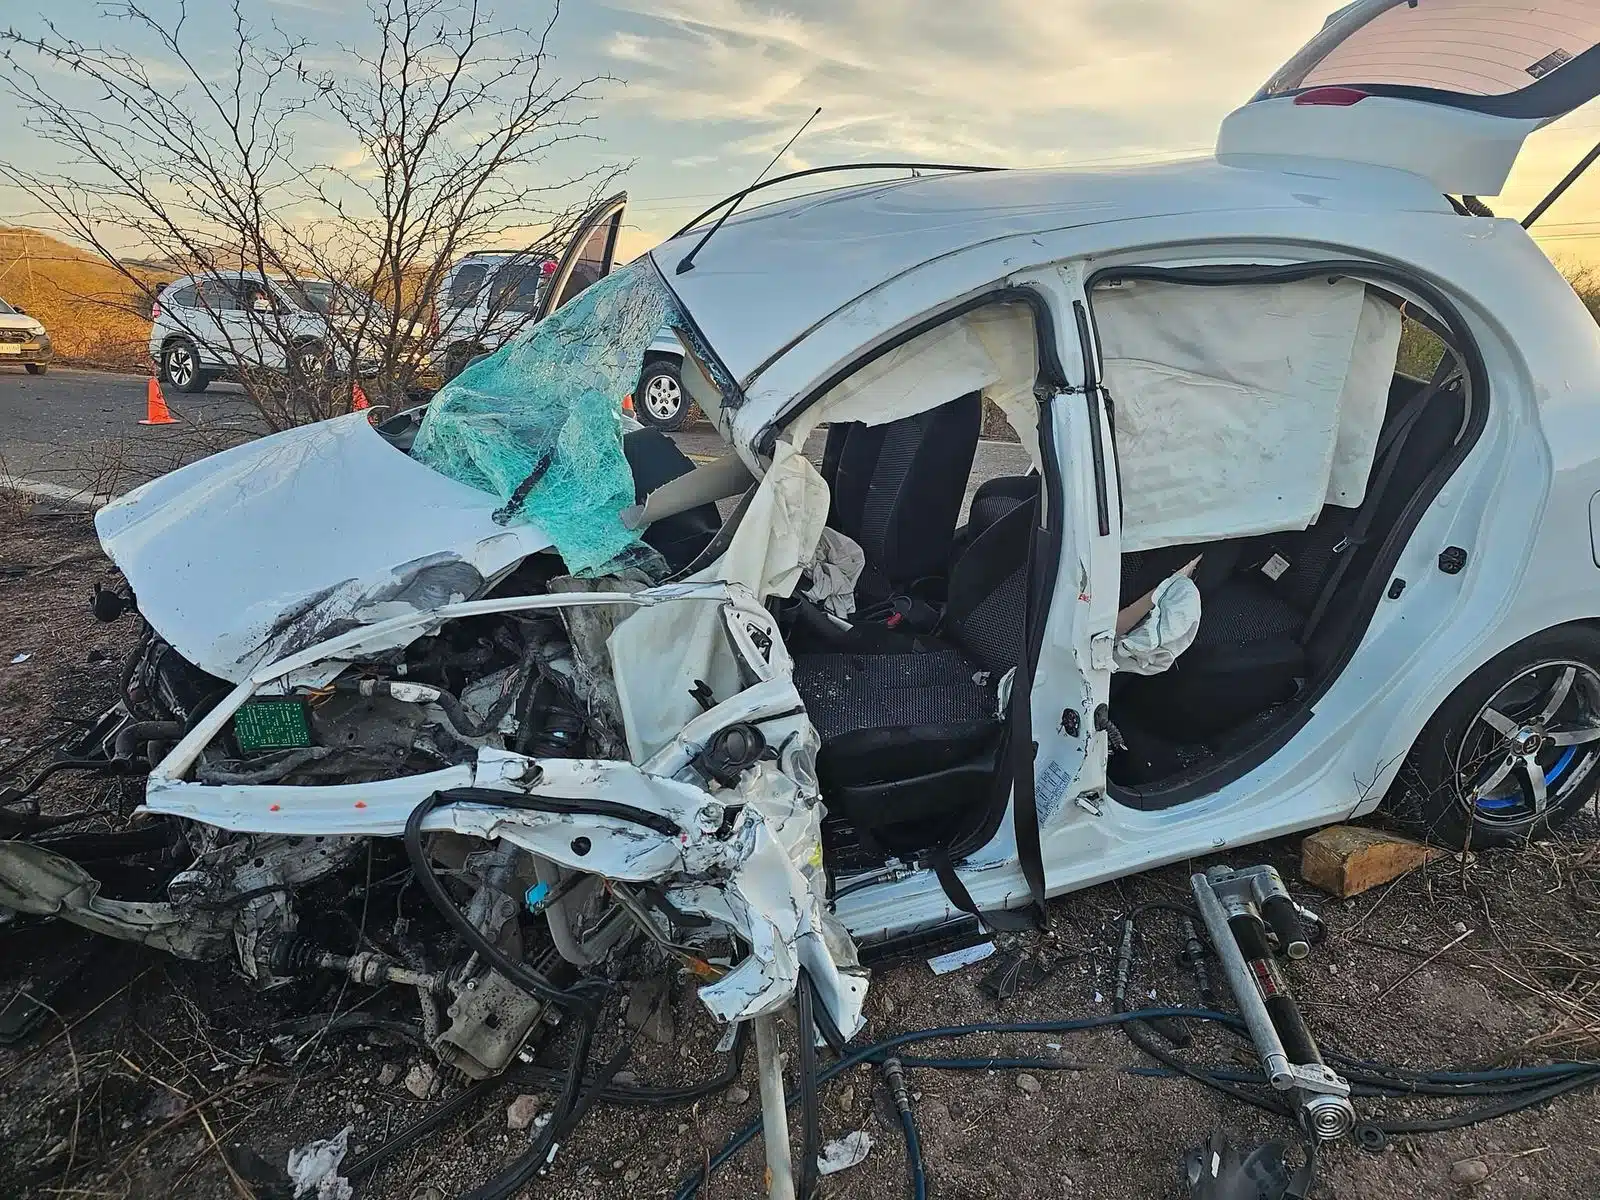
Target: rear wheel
[(36, 368), (659, 401), (1513, 752), (180, 367)]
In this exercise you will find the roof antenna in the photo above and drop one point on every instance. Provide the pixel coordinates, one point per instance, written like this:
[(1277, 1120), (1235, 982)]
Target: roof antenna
[(688, 259)]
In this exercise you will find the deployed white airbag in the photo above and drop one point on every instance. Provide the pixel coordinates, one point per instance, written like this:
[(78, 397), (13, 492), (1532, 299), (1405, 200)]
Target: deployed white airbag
[(1242, 409)]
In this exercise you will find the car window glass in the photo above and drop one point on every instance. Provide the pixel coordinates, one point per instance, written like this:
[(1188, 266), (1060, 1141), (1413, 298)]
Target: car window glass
[(1421, 349), (1462, 47), (185, 297), (6, 308), (591, 262), (517, 287), (466, 283)]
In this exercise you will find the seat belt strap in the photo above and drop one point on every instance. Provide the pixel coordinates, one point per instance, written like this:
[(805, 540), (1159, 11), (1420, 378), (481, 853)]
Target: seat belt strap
[(1014, 774), (1390, 446)]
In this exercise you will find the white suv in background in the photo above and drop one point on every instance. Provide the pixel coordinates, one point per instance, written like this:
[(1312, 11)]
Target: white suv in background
[(217, 324), (487, 297)]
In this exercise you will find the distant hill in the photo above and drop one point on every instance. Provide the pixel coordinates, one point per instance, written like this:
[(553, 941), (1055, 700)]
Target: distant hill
[(94, 315)]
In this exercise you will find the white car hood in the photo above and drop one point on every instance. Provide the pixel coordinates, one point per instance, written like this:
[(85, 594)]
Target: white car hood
[(251, 554), (20, 321)]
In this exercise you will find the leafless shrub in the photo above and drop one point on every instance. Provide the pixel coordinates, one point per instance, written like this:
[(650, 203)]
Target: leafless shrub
[(200, 166)]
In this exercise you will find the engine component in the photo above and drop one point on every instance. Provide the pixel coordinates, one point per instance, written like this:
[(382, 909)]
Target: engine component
[(489, 1020), (731, 752), (1236, 907)]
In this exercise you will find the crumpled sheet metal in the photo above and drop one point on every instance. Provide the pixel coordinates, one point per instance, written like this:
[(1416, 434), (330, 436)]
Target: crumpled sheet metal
[(774, 897), (539, 423)]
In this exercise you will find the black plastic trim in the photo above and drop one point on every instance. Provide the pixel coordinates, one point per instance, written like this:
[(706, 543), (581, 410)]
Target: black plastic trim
[(1377, 579), (1093, 397)]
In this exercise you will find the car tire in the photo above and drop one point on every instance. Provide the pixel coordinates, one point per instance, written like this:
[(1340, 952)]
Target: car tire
[(659, 401), (310, 360), (36, 368), (1514, 751), (180, 367)]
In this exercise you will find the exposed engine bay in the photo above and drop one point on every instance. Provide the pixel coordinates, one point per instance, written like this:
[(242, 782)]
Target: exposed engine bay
[(465, 773)]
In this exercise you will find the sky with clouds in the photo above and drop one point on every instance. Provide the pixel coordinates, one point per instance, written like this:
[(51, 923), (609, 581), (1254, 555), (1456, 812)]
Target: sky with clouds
[(705, 91)]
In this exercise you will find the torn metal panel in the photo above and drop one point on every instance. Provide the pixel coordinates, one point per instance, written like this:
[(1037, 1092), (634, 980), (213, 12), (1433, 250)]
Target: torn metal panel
[(35, 880), (274, 545), (748, 856)]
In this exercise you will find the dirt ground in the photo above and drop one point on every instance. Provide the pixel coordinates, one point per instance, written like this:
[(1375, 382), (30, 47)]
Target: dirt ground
[(158, 1078)]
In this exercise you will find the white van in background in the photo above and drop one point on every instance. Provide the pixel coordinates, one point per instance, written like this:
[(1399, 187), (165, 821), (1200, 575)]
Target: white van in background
[(487, 297)]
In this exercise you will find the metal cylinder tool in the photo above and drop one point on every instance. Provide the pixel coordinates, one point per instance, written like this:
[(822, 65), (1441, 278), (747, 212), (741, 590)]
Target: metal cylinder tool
[(1240, 908)]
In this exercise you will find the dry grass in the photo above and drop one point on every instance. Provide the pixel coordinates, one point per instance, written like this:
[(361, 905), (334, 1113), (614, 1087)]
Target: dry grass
[(95, 316)]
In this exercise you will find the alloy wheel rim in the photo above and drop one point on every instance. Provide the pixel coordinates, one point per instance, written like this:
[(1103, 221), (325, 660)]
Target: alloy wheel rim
[(663, 397), (180, 367), (1532, 744)]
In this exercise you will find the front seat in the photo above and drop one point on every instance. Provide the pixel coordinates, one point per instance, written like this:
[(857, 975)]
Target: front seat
[(897, 490), (909, 739)]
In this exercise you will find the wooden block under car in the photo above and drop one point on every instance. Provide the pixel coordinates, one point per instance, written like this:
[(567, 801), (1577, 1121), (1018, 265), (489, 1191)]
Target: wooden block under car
[(1346, 860)]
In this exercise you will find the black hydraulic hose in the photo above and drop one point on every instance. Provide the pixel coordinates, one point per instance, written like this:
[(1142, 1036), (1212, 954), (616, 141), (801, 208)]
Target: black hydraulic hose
[(130, 737), (581, 995), (1487, 1112), (570, 1108), (422, 1127), (894, 1075), (553, 804), (824, 1019), (877, 1051), (9, 796), (919, 1179), (634, 1095), (810, 1119)]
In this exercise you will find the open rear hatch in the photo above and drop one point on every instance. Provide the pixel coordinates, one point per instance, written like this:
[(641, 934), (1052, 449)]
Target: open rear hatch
[(1445, 89)]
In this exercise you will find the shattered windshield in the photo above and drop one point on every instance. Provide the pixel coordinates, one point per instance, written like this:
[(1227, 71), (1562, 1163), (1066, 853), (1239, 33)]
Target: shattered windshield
[(539, 423)]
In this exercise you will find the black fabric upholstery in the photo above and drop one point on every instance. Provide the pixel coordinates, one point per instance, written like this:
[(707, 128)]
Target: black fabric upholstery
[(849, 693), (907, 739), (897, 491), (986, 611), (1248, 654), (995, 498)]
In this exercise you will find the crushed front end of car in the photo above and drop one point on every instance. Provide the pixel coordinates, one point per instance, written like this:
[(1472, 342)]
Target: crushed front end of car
[(418, 710)]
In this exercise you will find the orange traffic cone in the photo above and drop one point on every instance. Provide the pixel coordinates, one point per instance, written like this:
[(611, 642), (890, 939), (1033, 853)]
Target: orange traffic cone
[(155, 406), (358, 398), (627, 404)]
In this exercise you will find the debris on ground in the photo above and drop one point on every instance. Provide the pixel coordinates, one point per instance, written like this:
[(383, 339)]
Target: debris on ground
[(849, 1151), (943, 964), (421, 1080), (1346, 860), (314, 1168), (520, 1113)]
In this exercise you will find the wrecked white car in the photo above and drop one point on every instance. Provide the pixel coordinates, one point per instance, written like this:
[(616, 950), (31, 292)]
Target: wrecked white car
[(1312, 525)]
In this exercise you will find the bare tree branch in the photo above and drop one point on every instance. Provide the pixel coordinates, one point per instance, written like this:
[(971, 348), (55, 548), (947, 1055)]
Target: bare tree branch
[(193, 154)]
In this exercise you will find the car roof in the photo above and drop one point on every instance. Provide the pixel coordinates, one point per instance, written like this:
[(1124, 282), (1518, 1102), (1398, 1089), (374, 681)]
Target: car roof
[(832, 248)]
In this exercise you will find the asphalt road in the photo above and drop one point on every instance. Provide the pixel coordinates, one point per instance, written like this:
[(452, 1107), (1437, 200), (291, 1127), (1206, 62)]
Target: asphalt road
[(78, 431)]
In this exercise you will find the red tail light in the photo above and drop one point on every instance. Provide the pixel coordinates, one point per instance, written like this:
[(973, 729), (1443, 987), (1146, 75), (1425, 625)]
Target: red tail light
[(155, 310), (1332, 97), (433, 320), (547, 267)]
